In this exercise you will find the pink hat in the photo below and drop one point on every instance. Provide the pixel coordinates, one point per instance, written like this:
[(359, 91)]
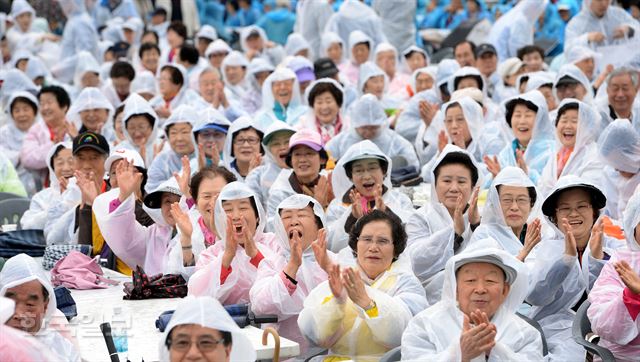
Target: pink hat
[(306, 137)]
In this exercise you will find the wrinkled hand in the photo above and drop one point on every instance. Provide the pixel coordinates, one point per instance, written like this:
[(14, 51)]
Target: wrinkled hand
[(531, 239), (596, 240), (183, 222), (335, 283), (353, 284), (71, 129), (427, 110), (88, 186), (630, 278), (476, 340), (63, 182), (474, 213), (319, 248), (597, 37), (521, 162), (321, 192), (570, 245), (458, 218), (248, 243), (356, 204), (379, 201), (129, 179), (255, 161), (230, 244), (493, 165), (184, 178), (295, 246), (443, 140), (215, 156)]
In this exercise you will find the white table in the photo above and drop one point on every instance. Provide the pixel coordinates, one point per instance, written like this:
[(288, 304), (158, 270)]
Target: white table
[(96, 306)]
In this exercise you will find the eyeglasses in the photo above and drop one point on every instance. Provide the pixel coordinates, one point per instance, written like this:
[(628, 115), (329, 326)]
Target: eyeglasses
[(360, 172), (370, 240), (250, 140), (566, 210), (204, 345), (520, 201)]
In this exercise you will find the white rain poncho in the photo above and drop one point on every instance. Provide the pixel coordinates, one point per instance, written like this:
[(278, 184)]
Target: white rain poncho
[(340, 208), (539, 79), (619, 146), (36, 69), (261, 178), (208, 312), (409, 123), (92, 98), (430, 70), (274, 55), (605, 109), (311, 19), (22, 269), (168, 161), (369, 70), (329, 38), (217, 46), (185, 96), (228, 159), (584, 160), (585, 22), (347, 330), (295, 44), (270, 294), (309, 120), (397, 85), (144, 82), (235, 91), (252, 100), (431, 235), (541, 143), (235, 288), (574, 72), (467, 72), (558, 282), (36, 216), (578, 53), (608, 314), (12, 139), (367, 111), (135, 105), (397, 21), (292, 111), (355, 15), (79, 32), (85, 63), (435, 333), (17, 38), (515, 29), (13, 81)]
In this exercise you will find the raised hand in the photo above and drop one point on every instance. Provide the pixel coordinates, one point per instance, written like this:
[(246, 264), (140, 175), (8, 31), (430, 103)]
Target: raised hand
[(183, 222), (230, 244), (493, 165), (335, 283), (215, 156), (356, 204), (321, 192), (521, 162), (473, 213), (458, 218), (531, 239), (184, 177), (427, 112), (319, 248), (596, 240), (629, 277), (71, 129), (202, 157), (474, 341), (249, 244), (443, 140), (63, 182), (129, 179), (377, 194), (353, 284), (255, 161), (88, 187), (295, 257), (570, 245)]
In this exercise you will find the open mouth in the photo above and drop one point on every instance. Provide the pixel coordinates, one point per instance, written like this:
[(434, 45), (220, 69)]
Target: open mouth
[(294, 232), (523, 129), (369, 186), (575, 222), (568, 135)]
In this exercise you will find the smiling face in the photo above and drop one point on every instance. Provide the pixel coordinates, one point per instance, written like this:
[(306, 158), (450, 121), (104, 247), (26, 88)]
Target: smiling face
[(456, 125), (63, 164), (575, 206), (208, 194), (424, 81), (305, 163), (334, 52), (325, 108), (416, 60), (621, 94), (234, 73), (375, 86), (567, 128), (301, 222), (166, 86), (522, 122), (452, 181), (23, 114), (481, 286), (31, 306), (279, 148), (238, 210), (246, 144), (283, 91), (375, 248), (533, 62), (150, 59), (94, 119), (88, 160), (360, 53), (180, 138), (139, 129), (50, 109), (366, 176), (573, 90), (386, 60), (515, 204), (166, 200), (186, 338)]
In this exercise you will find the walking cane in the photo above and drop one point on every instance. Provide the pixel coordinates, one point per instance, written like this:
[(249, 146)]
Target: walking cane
[(270, 331)]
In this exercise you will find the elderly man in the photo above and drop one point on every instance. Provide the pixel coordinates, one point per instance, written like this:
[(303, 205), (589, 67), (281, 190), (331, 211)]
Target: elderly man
[(24, 281), (214, 93), (475, 319), (599, 23), (622, 89)]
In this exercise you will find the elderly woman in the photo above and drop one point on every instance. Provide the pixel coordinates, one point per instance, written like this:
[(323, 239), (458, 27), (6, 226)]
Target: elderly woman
[(568, 262), (571, 82), (369, 122), (475, 319), (242, 148), (201, 328), (616, 293), (258, 71), (442, 228), (210, 134), (227, 270), (234, 71), (276, 145), (306, 158), (360, 48), (91, 111), (140, 128), (332, 47), (531, 136), (362, 183), (280, 99), (576, 148), (326, 98), (361, 311), (422, 106), (373, 80), (386, 57), (284, 282), (173, 88)]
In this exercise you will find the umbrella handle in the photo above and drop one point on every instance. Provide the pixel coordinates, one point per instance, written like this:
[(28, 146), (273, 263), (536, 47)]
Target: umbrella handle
[(271, 331)]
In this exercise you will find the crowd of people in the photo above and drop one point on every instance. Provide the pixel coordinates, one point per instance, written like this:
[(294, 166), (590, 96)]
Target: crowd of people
[(255, 148)]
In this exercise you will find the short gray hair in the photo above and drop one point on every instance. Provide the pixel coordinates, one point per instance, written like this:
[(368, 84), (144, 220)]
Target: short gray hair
[(210, 69), (624, 71)]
